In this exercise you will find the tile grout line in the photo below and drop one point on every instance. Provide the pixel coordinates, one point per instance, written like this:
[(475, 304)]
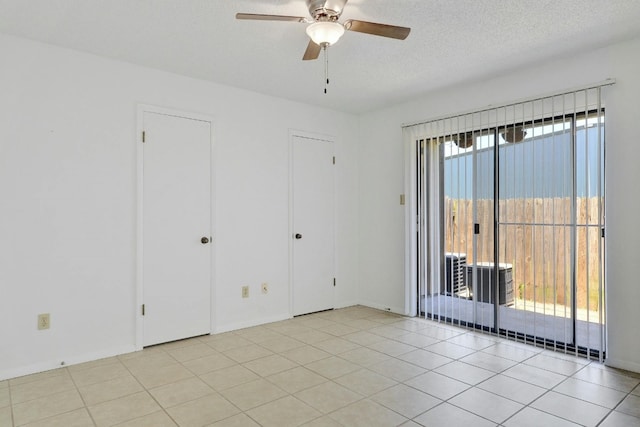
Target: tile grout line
[(11, 414), (517, 412), (47, 396), (146, 390), (586, 401), (319, 326), (618, 404), (85, 407), (493, 376)]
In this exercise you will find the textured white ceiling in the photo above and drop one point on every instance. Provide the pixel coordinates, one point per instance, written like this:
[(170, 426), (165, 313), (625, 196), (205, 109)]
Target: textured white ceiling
[(451, 41)]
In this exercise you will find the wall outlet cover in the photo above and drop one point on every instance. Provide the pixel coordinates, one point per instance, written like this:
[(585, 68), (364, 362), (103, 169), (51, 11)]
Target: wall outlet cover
[(44, 321)]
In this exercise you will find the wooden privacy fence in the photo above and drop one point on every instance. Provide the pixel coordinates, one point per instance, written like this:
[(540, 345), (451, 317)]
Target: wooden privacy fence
[(535, 237)]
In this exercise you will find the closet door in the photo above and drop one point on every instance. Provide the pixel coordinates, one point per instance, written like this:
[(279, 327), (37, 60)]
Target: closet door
[(176, 228), (313, 225)]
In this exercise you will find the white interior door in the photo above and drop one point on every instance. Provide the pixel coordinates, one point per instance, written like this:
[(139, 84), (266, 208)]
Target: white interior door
[(313, 222), (176, 228)]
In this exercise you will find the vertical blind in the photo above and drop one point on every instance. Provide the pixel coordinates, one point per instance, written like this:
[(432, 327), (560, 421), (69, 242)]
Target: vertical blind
[(507, 220)]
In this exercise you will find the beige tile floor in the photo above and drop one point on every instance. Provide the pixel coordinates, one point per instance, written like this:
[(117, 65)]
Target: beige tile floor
[(350, 367)]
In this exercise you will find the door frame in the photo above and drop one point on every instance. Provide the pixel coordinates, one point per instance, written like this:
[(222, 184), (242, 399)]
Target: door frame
[(139, 296), (293, 133)]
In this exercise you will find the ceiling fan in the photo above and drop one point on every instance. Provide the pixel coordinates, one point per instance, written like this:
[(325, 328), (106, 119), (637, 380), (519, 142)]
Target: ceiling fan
[(325, 30)]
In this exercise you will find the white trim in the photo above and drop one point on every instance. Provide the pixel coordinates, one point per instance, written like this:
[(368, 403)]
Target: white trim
[(410, 225), (377, 306), (139, 223), (311, 135), (622, 364), (487, 119), (145, 108), (346, 304), (318, 137), (250, 323), (175, 113), (74, 360), (212, 211)]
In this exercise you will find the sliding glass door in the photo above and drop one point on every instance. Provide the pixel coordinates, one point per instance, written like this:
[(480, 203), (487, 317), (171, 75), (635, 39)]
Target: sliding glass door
[(511, 221), (536, 228), (461, 195)]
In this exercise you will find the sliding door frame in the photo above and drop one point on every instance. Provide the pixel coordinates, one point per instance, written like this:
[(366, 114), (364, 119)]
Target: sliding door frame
[(415, 225)]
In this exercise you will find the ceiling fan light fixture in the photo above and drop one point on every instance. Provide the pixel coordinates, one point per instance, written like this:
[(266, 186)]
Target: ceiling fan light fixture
[(325, 33), (514, 134)]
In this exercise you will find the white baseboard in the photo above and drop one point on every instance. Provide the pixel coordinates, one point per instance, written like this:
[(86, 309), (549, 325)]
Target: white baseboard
[(88, 357), (395, 310), (69, 361), (346, 304), (622, 364), (250, 323)]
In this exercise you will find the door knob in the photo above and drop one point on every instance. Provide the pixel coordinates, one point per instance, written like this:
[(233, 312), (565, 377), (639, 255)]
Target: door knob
[(204, 240), (298, 236)]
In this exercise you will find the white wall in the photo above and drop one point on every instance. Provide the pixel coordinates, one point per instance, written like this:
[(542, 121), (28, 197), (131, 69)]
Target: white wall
[(68, 197), (382, 179)]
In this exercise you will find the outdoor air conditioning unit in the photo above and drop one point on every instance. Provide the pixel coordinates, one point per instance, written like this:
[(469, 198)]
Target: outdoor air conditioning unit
[(455, 277), (485, 289)]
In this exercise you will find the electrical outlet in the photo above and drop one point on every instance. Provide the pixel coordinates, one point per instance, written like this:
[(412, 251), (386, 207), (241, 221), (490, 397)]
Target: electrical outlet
[(44, 322), (245, 292), (265, 288)]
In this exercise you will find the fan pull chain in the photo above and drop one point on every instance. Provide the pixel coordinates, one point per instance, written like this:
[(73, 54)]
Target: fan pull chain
[(326, 68)]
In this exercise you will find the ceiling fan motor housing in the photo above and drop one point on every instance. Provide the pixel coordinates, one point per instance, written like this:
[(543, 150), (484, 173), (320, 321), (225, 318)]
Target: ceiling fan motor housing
[(326, 10), (325, 29)]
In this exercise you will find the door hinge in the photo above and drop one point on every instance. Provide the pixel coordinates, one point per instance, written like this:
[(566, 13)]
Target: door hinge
[(476, 228), (334, 281), (602, 232), (334, 160), (143, 309), (143, 136)]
